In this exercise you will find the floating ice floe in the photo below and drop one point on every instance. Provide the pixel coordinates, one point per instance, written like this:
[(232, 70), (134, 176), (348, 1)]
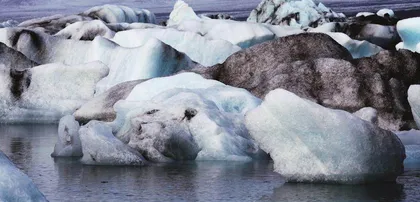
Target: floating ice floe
[(68, 143), (303, 13), (203, 117), (101, 147), (46, 93), (409, 32), (15, 185), (310, 143), (152, 59)]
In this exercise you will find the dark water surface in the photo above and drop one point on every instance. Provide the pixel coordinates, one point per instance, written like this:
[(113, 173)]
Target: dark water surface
[(29, 147), (21, 10)]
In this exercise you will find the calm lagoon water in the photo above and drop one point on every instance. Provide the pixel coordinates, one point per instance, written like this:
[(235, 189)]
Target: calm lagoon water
[(29, 147)]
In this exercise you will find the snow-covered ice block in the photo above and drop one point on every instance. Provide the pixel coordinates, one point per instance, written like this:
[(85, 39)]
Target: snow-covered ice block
[(86, 30), (48, 92), (117, 13), (207, 52), (68, 143), (153, 59), (414, 100), (243, 34), (364, 14), (15, 185), (386, 13), (311, 143), (101, 147), (409, 32), (186, 106), (303, 13), (368, 114)]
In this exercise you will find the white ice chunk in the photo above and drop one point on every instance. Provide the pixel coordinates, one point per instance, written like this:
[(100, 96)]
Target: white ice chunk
[(311, 143), (153, 59), (207, 52), (68, 143), (100, 147), (368, 114), (45, 93), (386, 11), (159, 106), (15, 185), (409, 32), (86, 30), (243, 34), (414, 100), (365, 14)]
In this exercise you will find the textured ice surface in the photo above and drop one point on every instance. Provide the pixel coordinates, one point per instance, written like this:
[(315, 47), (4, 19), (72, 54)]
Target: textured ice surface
[(310, 143), (365, 14), (187, 106), (414, 100), (153, 59), (100, 147), (86, 30), (15, 185), (48, 92), (409, 32), (8, 23), (303, 13), (358, 49), (117, 13), (243, 34), (68, 143), (207, 52), (368, 114), (386, 13)]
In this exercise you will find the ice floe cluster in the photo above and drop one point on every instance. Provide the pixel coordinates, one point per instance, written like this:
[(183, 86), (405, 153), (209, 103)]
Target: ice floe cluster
[(329, 98)]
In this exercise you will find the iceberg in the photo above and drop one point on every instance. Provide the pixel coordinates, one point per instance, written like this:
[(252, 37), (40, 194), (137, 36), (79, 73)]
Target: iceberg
[(207, 52), (205, 115), (242, 34), (15, 185), (311, 143), (44, 94), (106, 13), (101, 147), (301, 14), (68, 144), (86, 30), (153, 59)]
